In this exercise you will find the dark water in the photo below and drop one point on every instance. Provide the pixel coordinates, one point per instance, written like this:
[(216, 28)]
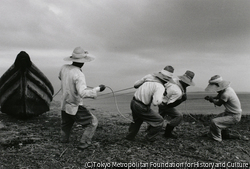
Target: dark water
[(195, 103)]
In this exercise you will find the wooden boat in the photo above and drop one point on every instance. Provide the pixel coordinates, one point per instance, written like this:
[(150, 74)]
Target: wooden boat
[(24, 90)]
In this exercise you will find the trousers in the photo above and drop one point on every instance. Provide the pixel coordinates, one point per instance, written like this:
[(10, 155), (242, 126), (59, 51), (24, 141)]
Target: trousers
[(141, 113), (222, 121), (176, 116), (84, 118)]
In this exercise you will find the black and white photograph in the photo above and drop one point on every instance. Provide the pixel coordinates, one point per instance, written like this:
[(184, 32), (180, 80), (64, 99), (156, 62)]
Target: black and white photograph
[(124, 84)]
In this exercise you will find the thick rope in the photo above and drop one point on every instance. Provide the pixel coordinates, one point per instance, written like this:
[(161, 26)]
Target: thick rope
[(186, 108), (56, 93), (117, 91), (114, 100), (117, 105), (100, 98), (100, 94), (189, 113)]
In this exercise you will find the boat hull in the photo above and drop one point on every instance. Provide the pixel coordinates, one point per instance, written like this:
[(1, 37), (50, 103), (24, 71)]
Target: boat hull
[(24, 90)]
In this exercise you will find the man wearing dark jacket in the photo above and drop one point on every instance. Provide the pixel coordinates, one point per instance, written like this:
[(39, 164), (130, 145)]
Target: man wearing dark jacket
[(176, 94)]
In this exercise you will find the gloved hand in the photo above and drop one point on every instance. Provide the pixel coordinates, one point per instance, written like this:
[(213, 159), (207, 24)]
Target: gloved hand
[(206, 98), (209, 98), (102, 87)]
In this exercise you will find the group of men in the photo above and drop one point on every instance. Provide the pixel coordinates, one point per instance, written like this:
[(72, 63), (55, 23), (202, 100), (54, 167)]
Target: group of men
[(159, 89)]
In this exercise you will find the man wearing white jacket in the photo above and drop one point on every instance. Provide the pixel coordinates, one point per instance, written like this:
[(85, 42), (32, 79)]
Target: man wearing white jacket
[(150, 90), (74, 89), (228, 98)]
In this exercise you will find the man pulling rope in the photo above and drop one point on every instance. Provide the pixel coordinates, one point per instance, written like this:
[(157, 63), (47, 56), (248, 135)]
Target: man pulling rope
[(176, 94), (150, 90), (74, 89), (232, 114)]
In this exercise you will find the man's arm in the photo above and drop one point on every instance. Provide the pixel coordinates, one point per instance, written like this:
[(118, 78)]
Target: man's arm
[(82, 89), (174, 96), (178, 102), (138, 83), (147, 78), (217, 101)]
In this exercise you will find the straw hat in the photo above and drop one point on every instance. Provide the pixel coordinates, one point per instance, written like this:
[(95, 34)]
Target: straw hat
[(187, 78), (216, 83), (79, 55), (166, 74)]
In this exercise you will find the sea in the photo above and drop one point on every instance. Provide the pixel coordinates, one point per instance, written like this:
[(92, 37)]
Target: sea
[(195, 103)]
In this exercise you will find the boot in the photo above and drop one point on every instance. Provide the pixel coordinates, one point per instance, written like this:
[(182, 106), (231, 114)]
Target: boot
[(153, 133), (64, 137), (83, 146), (133, 130), (226, 134), (168, 132), (85, 142)]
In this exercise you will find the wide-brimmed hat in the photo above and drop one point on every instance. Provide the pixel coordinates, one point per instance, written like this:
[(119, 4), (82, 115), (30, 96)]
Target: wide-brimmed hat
[(166, 74), (79, 55), (187, 78), (216, 83)]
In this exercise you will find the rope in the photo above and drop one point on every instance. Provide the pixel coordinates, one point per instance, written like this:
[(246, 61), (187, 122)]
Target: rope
[(116, 95), (56, 93), (117, 105), (114, 99), (117, 91), (195, 98), (186, 107), (189, 113), (101, 94)]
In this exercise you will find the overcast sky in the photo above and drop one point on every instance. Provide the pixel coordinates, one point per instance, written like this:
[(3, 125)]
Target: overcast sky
[(131, 38)]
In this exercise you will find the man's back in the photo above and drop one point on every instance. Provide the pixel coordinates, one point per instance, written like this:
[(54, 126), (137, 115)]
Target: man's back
[(150, 92), (174, 93), (232, 102)]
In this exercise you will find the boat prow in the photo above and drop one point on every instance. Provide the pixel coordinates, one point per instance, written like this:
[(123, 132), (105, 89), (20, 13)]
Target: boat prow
[(24, 90)]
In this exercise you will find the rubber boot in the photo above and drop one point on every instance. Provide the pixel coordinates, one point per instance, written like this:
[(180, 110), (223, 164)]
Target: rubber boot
[(225, 134), (168, 132), (133, 130), (64, 136), (152, 133)]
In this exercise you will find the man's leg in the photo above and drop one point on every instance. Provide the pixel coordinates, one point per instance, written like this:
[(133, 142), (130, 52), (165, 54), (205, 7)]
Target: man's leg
[(134, 126), (66, 125), (134, 129), (162, 111), (220, 123), (88, 133), (175, 121), (89, 123), (144, 113), (155, 121)]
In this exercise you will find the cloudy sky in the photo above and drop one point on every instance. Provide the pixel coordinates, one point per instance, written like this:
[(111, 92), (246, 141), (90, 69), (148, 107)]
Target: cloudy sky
[(131, 38)]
